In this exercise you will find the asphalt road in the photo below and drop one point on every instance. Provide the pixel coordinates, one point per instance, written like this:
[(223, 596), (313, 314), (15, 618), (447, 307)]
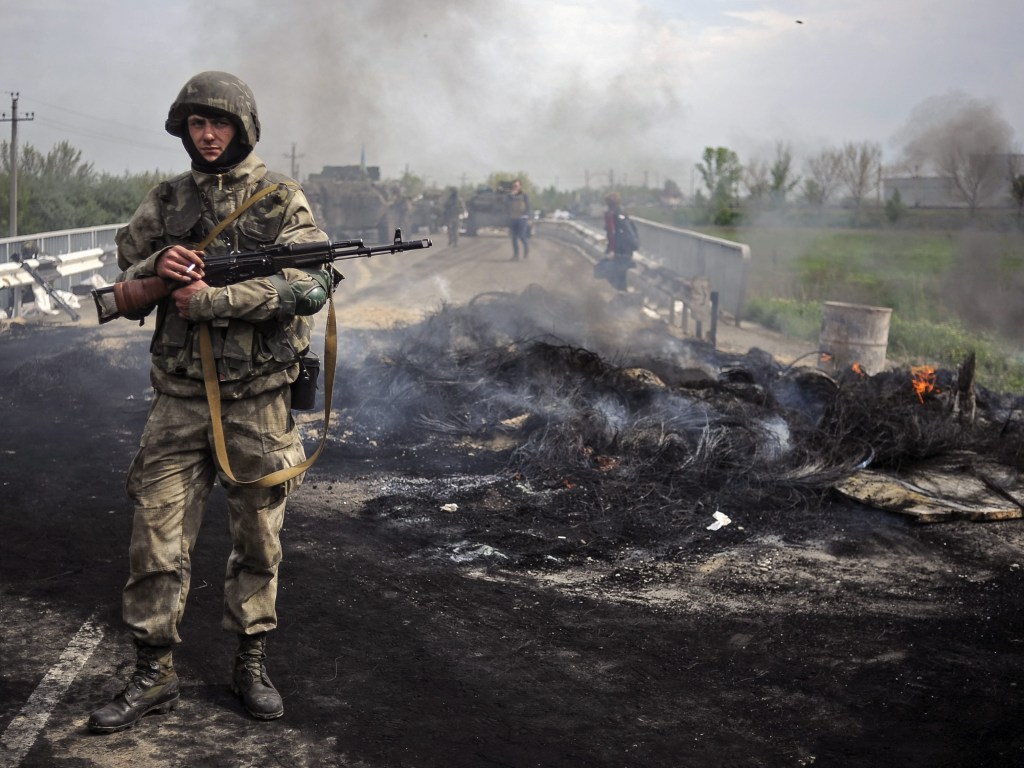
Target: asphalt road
[(838, 636)]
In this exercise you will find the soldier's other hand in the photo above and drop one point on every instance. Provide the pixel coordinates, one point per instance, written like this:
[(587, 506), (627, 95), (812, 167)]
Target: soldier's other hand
[(183, 295), (181, 264)]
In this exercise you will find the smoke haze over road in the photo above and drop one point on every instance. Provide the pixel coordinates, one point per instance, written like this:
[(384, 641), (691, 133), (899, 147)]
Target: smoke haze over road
[(458, 89)]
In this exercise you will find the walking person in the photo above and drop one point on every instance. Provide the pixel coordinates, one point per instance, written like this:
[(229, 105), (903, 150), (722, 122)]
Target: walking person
[(621, 242), (519, 220)]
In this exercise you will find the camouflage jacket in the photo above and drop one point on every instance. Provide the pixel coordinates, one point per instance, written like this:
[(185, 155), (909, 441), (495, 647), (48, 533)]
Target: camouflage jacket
[(257, 337)]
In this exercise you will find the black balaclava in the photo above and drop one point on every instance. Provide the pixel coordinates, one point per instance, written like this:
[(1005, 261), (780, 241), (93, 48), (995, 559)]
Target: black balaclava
[(233, 153)]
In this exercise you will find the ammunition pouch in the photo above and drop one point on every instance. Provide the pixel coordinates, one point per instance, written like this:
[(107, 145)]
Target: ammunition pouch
[(304, 388)]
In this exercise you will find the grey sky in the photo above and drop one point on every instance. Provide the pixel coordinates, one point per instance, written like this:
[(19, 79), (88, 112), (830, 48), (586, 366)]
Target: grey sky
[(457, 89)]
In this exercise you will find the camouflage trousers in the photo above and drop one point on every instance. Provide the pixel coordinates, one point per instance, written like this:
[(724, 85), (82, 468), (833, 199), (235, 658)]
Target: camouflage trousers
[(170, 481)]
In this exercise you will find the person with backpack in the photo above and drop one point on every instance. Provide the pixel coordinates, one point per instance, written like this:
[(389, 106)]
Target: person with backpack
[(621, 242)]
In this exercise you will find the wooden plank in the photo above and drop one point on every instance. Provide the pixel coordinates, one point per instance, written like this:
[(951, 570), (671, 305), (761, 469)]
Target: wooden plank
[(942, 490)]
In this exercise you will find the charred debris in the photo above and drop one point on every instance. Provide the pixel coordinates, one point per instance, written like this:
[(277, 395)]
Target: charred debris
[(542, 431), (586, 435)]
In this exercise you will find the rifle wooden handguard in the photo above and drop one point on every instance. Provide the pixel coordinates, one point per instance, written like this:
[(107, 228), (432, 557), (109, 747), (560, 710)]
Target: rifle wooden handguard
[(132, 296)]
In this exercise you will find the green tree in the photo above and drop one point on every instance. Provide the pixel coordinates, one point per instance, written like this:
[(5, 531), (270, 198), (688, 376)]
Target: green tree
[(894, 207), (780, 173), (860, 169), (59, 190), (721, 172)]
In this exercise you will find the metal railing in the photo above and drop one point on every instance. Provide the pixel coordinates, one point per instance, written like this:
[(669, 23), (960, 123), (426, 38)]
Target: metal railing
[(691, 255), (687, 255), (67, 258), (60, 242)]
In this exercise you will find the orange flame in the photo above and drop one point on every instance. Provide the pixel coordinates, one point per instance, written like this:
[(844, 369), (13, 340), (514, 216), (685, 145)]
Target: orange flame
[(923, 380), (857, 369)]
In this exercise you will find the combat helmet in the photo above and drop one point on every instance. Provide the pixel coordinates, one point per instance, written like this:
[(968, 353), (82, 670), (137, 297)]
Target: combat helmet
[(221, 91)]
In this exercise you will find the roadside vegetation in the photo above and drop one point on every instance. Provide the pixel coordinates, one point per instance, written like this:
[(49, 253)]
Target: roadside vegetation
[(59, 190), (951, 291)]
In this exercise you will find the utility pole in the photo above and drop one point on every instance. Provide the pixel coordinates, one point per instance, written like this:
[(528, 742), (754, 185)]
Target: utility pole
[(13, 120), (295, 162)]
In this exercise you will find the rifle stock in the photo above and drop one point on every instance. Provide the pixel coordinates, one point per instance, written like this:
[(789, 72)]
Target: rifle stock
[(134, 298)]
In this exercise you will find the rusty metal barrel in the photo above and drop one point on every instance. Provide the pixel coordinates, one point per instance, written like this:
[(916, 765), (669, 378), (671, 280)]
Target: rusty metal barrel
[(853, 334)]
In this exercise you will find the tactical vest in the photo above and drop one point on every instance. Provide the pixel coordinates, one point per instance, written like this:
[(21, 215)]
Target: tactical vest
[(245, 351)]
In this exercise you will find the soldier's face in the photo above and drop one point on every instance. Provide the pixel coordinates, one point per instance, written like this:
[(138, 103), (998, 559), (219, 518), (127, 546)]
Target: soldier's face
[(210, 135)]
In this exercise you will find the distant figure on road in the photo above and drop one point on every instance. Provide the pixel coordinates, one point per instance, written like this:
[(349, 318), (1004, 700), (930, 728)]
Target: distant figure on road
[(622, 241), (519, 220), (454, 213)]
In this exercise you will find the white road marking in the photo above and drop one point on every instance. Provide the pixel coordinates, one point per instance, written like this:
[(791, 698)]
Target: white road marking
[(23, 730)]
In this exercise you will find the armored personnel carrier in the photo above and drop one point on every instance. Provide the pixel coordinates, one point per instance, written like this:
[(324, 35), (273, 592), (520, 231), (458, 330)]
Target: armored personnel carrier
[(350, 201), (488, 207)]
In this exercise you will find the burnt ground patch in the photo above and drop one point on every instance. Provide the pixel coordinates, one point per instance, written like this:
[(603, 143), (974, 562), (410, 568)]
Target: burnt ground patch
[(491, 565)]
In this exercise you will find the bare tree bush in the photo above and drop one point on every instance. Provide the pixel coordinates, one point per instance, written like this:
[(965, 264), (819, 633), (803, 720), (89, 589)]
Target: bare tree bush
[(823, 176), (964, 139), (860, 169)]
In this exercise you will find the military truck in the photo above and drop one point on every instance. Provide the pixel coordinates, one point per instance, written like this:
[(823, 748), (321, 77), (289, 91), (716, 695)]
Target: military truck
[(488, 207), (350, 201)]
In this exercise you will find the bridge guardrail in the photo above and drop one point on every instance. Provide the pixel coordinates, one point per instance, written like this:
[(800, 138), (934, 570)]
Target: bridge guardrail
[(676, 267), (65, 258)]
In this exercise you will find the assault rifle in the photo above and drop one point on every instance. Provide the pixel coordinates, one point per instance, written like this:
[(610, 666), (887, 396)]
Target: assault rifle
[(131, 297)]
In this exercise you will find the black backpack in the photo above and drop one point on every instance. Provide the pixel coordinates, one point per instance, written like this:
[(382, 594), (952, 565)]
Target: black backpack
[(627, 239)]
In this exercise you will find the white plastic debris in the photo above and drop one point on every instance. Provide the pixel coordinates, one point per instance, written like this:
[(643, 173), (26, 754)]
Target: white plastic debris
[(720, 521), (465, 552), (450, 508)]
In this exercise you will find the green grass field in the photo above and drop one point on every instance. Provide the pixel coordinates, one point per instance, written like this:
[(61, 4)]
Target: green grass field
[(951, 292)]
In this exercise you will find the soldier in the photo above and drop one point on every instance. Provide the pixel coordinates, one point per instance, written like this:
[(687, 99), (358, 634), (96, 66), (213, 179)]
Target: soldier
[(259, 329), (454, 213)]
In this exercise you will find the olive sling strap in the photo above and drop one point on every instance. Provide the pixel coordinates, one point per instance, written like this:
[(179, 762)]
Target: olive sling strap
[(213, 385), (213, 398)]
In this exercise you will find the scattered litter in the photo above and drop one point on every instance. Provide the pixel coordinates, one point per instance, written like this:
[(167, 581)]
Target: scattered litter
[(515, 421), (464, 552), (450, 508), (720, 520), (956, 486)]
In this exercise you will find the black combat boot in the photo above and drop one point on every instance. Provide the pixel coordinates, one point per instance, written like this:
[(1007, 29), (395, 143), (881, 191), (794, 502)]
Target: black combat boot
[(154, 687), (250, 679)]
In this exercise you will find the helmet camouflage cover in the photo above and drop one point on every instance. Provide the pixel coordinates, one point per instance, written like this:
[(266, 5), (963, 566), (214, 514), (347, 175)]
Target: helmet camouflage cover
[(221, 91)]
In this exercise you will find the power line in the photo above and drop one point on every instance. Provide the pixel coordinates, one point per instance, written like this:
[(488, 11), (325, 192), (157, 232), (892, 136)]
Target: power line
[(115, 139), (133, 128)]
